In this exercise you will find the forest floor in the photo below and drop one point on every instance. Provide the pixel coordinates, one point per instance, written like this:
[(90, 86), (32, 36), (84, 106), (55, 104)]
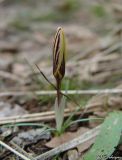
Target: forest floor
[(94, 63)]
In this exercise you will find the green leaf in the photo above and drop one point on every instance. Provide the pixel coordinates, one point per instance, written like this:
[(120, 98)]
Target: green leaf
[(108, 138), (59, 113)]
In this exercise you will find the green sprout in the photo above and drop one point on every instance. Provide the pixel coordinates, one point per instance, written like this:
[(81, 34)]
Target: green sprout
[(59, 61), (59, 58)]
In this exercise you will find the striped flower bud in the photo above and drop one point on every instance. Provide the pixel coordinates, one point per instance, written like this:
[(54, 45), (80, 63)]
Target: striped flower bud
[(59, 56)]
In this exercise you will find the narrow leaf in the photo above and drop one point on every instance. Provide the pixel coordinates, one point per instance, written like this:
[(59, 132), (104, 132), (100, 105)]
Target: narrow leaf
[(59, 112)]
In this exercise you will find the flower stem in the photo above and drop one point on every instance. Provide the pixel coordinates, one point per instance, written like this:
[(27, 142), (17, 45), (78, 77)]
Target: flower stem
[(58, 91)]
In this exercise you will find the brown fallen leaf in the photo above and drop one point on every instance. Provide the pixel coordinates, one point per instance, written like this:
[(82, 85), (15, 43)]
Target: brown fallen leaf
[(84, 146), (56, 141)]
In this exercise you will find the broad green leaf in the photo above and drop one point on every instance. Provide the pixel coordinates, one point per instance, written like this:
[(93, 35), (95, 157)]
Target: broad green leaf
[(108, 138)]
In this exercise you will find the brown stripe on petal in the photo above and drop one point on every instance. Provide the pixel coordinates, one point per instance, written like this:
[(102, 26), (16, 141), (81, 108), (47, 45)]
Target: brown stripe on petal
[(56, 50), (56, 45), (56, 41), (56, 59), (62, 67), (57, 56)]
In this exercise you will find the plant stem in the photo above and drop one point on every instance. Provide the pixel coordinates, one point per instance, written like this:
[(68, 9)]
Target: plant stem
[(58, 91)]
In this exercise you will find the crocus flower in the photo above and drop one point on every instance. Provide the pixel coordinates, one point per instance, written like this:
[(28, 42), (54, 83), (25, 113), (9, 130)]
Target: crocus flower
[(59, 56)]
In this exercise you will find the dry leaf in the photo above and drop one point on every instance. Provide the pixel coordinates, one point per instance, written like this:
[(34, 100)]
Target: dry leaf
[(56, 141), (67, 136), (84, 146)]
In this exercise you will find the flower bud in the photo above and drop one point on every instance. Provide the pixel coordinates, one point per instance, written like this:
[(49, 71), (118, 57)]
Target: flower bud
[(59, 54)]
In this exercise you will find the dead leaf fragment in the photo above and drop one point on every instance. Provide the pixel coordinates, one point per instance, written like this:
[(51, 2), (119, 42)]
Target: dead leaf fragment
[(67, 136), (84, 146)]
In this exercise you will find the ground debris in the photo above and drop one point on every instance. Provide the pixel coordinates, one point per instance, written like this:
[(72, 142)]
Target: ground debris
[(31, 136), (7, 110)]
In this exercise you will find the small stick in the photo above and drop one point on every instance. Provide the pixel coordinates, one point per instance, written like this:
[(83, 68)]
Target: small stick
[(42, 114), (14, 151), (32, 118), (69, 92), (21, 150)]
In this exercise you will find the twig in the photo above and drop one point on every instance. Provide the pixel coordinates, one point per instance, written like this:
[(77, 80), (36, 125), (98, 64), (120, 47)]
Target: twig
[(69, 92), (71, 144), (14, 151), (43, 116), (21, 150)]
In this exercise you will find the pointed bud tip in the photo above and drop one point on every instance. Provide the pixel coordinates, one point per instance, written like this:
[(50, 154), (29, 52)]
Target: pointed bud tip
[(59, 28)]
